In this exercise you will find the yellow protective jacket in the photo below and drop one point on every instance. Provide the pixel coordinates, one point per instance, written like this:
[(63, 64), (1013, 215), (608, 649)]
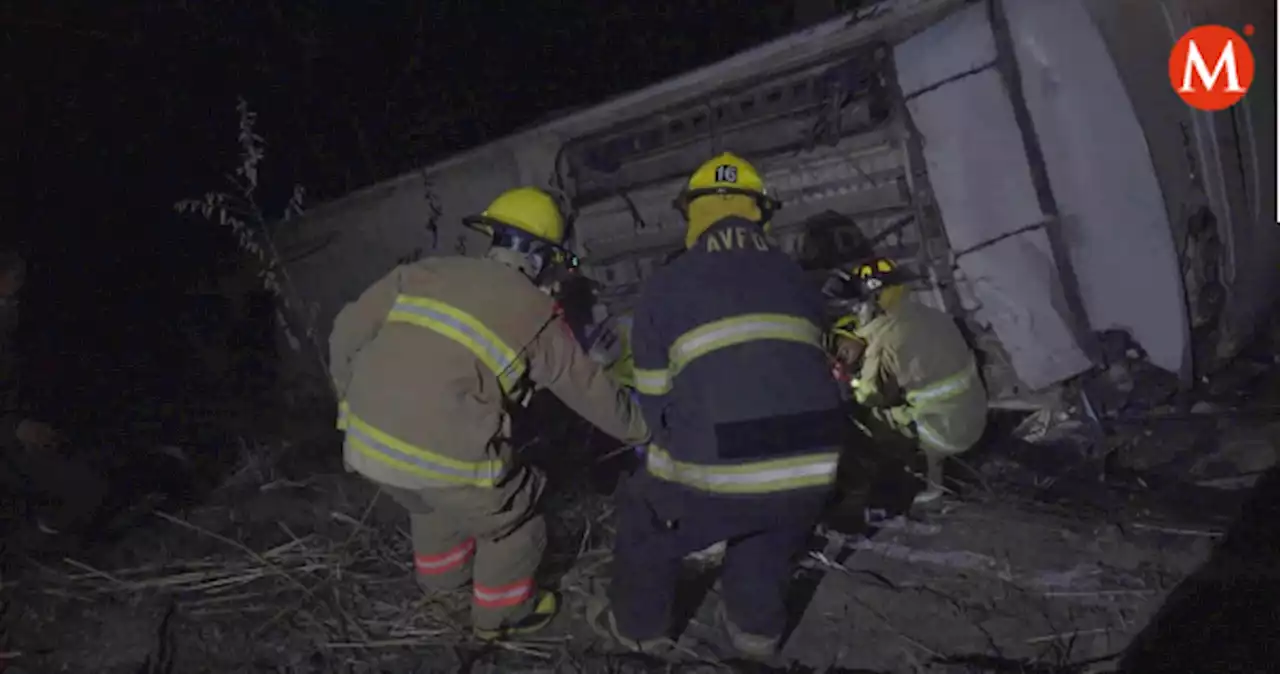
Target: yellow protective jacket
[(918, 365), (429, 359)]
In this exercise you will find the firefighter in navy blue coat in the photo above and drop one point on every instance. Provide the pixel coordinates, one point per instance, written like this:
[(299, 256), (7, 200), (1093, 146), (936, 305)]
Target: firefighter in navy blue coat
[(746, 419)]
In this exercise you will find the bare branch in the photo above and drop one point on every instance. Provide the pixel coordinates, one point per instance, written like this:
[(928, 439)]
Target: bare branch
[(239, 211)]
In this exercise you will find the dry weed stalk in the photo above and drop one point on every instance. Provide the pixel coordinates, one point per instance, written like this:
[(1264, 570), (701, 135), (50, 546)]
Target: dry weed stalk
[(240, 211), (344, 593)]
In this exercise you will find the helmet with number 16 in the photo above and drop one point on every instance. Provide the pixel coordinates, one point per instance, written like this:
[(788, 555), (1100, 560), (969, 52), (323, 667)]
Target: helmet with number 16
[(727, 174)]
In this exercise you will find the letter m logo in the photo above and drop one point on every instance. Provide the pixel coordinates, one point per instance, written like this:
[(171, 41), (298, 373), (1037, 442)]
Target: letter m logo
[(1211, 67)]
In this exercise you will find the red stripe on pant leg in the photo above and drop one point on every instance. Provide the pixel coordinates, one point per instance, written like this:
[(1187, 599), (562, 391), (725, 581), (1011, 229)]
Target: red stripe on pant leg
[(445, 562), (504, 596)]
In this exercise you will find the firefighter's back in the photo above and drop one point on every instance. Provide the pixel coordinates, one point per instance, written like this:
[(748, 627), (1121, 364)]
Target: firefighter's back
[(419, 381), (757, 382), (936, 370)]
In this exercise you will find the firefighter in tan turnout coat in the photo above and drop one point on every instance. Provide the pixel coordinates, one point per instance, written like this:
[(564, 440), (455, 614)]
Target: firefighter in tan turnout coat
[(917, 378), (427, 363)]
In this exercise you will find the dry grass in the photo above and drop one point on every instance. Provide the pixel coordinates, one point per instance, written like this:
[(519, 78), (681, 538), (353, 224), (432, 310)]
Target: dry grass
[(339, 594), (346, 593), (337, 585), (343, 587)]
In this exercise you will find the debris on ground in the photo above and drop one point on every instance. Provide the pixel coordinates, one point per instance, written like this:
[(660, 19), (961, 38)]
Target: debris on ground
[(1041, 559), (313, 574)]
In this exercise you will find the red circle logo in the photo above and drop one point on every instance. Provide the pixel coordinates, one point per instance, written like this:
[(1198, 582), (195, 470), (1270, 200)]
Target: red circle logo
[(1211, 67)]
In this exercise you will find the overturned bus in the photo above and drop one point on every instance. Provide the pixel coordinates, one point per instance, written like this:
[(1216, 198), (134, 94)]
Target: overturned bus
[(1027, 159)]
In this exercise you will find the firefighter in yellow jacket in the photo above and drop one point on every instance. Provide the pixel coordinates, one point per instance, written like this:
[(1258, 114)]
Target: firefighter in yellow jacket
[(427, 363), (917, 376)]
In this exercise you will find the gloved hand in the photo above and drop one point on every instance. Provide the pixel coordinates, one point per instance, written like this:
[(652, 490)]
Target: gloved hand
[(901, 415)]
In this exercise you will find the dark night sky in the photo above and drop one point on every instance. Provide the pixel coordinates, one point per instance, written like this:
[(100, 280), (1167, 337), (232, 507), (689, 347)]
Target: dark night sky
[(115, 110), (120, 108)]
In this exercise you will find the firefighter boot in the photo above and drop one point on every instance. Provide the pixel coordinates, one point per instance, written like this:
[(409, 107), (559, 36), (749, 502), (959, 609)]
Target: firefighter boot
[(545, 608), (602, 621), (933, 475)]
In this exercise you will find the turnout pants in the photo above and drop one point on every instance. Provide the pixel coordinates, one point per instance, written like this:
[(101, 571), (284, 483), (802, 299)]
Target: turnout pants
[(896, 433), (492, 538), (877, 450), (659, 523)]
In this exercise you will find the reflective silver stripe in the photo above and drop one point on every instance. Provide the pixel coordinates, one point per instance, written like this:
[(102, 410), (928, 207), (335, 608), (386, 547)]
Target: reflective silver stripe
[(652, 382), (946, 388), (721, 334), (432, 564), (739, 330), (509, 595), (495, 352), (931, 437), (809, 470), (862, 389), (462, 328), (420, 462)]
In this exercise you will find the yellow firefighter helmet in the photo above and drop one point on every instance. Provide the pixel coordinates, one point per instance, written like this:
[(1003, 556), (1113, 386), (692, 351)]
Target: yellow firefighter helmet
[(723, 174), (876, 274), (846, 326), (527, 209), (880, 280)]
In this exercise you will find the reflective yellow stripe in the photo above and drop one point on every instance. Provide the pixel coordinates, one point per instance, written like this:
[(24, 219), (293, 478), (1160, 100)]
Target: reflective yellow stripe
[(862, 390), (652, 382), (433, 467), (740, 330), (721, 334), (837, 333), (343, 410), (761, 477), (931, 437), (944, 389), (464, 329), (623, 371)]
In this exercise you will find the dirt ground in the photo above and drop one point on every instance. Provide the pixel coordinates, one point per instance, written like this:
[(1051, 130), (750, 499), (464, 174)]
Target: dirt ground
[(293, 565), (992, 584)]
